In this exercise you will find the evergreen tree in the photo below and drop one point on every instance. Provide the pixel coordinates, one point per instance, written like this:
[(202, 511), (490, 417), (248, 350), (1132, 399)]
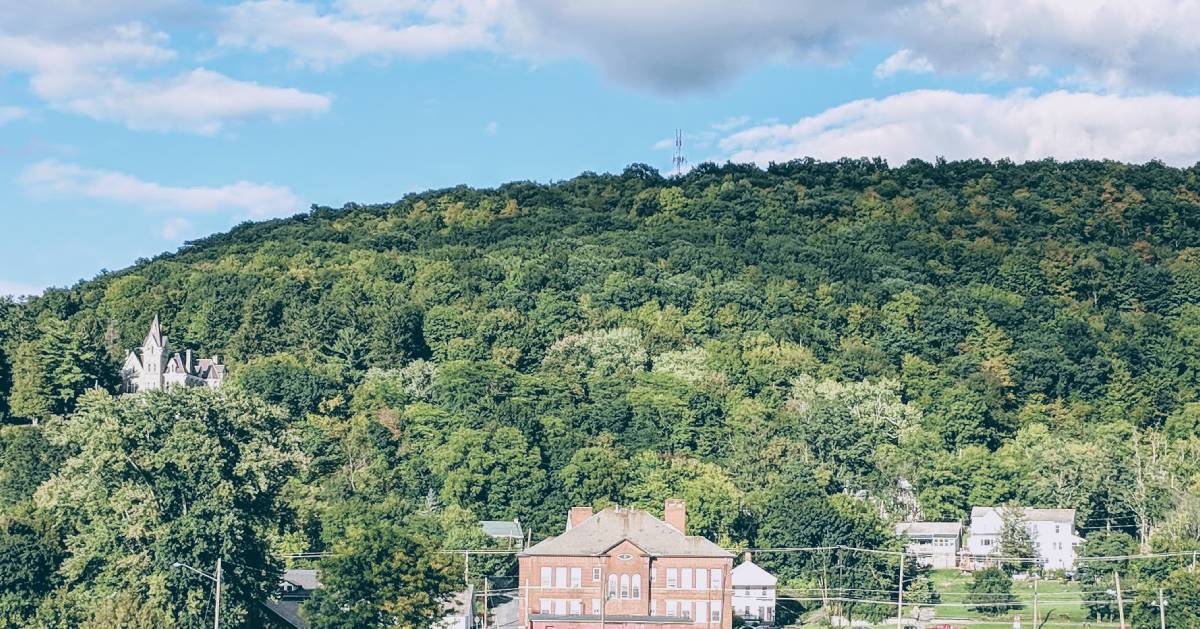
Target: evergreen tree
[(1018, 548)]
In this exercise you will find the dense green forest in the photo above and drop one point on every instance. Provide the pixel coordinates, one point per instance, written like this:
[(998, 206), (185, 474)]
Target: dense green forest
[(804, 353)]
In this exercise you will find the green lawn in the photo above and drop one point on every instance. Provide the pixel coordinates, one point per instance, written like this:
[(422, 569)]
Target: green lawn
[(1059, 605)]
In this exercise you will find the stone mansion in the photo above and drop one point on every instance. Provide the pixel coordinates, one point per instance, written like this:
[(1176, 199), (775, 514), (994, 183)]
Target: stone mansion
[(160, 367)]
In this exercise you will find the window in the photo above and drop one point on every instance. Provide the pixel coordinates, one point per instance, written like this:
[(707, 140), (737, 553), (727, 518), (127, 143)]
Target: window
[(702, 578), (595, 574), (701, 611), (635, 587), (685, 578), (653, 608), (543, 606), (685, 609), (624, 586), (716, 579), (672, 608), (576, 577), (596, 607), (612, 586), (576, 608), (716, 611), (546, 577), (672, 578), (653, 575), (560, 577), (1057, 529), (560, 606), (987, 541)]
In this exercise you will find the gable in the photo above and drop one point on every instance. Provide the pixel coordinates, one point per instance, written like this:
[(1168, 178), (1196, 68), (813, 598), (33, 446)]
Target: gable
[(625, 547)]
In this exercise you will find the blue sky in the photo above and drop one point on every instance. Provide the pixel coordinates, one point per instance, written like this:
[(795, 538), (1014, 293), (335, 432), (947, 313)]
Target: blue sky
[(131, 126)]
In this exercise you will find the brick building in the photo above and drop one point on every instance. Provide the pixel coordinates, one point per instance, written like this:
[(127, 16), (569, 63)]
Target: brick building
[(625, 569)]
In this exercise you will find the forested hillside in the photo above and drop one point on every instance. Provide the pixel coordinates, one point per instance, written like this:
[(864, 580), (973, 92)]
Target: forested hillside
[(787, 349)]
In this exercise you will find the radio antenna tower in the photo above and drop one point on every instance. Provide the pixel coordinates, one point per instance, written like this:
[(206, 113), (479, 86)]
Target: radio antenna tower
[(678, 160)]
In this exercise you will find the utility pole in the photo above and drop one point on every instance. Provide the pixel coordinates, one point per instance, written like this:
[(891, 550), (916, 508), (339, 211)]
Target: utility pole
[(1035, 610), (1120, 599), (485, 600), (467, 568), (900, 596), (528, 623), (603, 596), (215, 578), (217, 607), (1162, 610)]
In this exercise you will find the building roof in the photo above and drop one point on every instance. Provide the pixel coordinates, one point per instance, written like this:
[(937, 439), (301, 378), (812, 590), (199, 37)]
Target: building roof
[(947, 529), (287, 611), (749, 573), (602, 531), (502, 528), (306, 579), (1031, 514), (155, 336)]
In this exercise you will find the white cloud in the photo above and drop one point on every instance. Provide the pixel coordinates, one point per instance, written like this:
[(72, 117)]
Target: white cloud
[(9, 114), (175, 228), (362, 28), (199, 101), (903, 61), (491, 128), (1021, 126), (244, 198), (19, 289), (705, 137), (48, 58), (87, 69)]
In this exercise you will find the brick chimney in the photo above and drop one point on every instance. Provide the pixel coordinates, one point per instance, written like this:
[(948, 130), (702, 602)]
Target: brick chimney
[(577, 516), (675, 514)]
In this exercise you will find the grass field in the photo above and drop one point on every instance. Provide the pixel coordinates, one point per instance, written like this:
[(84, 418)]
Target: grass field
[(1059, 605)]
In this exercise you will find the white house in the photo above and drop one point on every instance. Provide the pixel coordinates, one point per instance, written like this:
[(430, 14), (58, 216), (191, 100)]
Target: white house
[(753, 593), (936, 544), (1053, 531), (159, 366)]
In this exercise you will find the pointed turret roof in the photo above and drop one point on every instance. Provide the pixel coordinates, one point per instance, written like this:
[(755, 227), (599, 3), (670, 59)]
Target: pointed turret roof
[(155, 335)]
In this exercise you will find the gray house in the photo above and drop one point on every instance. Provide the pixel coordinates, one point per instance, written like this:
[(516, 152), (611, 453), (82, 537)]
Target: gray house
[(936, 544)]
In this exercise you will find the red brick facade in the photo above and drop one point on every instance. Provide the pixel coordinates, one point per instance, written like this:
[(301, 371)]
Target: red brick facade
[(669, 580)]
